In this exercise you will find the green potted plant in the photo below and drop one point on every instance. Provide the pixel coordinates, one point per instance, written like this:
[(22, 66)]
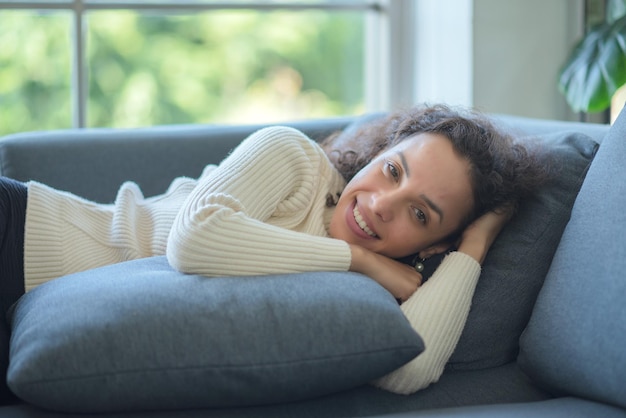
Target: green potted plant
[(596, 68)]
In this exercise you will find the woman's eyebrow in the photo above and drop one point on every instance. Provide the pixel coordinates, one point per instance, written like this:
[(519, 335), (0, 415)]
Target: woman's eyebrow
[(405, 165), (433, 206)]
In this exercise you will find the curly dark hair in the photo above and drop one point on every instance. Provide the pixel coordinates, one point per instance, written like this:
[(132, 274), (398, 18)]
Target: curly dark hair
[(503, 170)]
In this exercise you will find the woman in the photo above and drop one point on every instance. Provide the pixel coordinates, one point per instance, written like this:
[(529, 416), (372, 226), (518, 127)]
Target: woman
[(419, 182)]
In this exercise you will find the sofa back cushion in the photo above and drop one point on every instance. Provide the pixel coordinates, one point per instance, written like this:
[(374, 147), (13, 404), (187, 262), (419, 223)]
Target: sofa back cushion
[(93, 163), (575, 342), (517, 263)]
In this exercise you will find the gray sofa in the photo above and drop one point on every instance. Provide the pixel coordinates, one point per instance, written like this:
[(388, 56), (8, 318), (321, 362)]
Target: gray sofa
[(545, 335)]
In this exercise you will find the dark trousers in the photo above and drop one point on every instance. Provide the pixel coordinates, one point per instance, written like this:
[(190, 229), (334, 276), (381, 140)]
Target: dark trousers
[(13, 195)]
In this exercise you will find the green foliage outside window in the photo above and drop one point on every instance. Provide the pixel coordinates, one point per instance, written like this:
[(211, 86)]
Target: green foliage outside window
[(149, 69), (35, 65)]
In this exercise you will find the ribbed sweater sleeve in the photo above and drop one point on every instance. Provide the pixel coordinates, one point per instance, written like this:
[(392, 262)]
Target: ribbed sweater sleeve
[(437, 311), (253, 214), (66, 234)]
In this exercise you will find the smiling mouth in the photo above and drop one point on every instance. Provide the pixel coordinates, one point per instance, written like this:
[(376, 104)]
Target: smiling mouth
[(359, 220)]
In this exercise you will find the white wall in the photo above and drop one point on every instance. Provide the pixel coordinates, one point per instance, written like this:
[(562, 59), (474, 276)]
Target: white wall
[(518, 49), (443, 52), (500, 56)]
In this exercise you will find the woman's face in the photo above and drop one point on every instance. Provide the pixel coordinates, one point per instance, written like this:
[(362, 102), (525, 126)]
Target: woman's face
[(408, 199)]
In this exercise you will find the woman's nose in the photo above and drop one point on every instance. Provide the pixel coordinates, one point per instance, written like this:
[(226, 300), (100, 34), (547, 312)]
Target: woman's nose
[(383, 206)]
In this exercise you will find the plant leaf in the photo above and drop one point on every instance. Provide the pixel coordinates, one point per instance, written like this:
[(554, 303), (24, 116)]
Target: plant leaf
[(615, 9), (596, 68)]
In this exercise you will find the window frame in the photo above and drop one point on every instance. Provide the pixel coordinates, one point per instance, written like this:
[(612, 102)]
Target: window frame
[(390, 40)]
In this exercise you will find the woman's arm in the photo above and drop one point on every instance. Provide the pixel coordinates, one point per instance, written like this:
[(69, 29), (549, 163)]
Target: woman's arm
[(231, 222), (399, 279), (439, 309)]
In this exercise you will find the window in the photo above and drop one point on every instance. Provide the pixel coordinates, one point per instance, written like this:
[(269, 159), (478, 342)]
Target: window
[(91, 63)]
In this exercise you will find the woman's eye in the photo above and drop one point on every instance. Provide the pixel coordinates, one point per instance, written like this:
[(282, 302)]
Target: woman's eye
[(392, 170), (420, 215)]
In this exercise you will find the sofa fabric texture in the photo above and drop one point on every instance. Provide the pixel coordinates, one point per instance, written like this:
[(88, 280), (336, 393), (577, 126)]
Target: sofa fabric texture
[(585, 290)]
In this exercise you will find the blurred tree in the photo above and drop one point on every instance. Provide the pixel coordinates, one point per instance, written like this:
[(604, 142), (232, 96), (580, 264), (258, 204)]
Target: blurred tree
[(148, 69), (34, 71)]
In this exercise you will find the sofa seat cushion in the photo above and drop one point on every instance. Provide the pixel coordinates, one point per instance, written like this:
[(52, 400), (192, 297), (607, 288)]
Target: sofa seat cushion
[(575, 342), (141, 336), (560, 407)]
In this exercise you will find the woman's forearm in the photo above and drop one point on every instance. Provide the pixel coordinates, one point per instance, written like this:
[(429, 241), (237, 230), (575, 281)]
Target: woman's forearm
[(399, 279)]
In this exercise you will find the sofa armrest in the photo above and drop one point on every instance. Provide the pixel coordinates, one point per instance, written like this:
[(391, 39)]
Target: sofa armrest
[(92, 163)]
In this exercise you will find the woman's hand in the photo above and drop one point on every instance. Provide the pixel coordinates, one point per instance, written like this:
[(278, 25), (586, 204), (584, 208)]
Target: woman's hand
[(401, 280), (480, 234)]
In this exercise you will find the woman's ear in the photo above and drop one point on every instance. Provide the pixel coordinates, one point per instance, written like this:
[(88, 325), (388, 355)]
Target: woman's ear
[(434, 249)]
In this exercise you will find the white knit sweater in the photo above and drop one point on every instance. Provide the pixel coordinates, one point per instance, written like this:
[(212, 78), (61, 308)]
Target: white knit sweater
[(261, 211)]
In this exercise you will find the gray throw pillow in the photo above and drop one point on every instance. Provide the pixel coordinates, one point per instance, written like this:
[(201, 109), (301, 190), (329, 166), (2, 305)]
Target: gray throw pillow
[(141, 336), (575, 342), (517, 263)]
